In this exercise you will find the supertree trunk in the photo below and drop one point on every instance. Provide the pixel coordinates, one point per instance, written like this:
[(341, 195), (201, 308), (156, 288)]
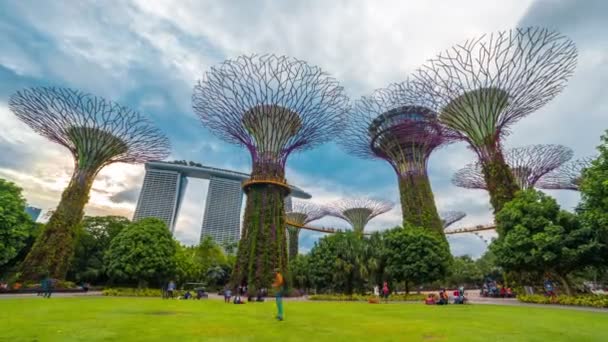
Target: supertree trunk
[(263, 245), (52, 252), (418, 202), (294, 234), (498, 178)]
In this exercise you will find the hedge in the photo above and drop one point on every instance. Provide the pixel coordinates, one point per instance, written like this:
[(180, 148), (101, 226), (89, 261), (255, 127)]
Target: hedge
[(364, 298), (597, 301)]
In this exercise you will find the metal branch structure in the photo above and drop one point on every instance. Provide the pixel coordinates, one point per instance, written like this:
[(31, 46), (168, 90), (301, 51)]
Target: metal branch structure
[(358, 211), (528, 164), (566, 177), (273, 106), (482, 87), (448, 218), (97, 132), (395, 124), (301, 214)]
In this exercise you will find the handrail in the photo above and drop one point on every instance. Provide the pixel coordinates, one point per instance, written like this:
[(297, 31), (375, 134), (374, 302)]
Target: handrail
[(463, 230)]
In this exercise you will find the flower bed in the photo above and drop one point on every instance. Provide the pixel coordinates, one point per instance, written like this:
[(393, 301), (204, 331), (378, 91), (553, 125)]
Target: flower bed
[(365, 298), (597, 301), (135, 292)]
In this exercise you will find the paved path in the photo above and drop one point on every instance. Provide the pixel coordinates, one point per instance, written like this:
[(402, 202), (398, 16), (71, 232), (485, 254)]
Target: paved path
[(474, 298)]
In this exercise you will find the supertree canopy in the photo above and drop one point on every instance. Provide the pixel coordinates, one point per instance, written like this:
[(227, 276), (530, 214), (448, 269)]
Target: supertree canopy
[(272, 105), (358, 211), (448, 218), (301, 213), (483, 86), (395, 124), (566, 177), (97, 132), (528, 164)]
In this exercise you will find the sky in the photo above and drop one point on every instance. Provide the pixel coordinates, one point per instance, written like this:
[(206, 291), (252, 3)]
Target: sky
[(149, 54)]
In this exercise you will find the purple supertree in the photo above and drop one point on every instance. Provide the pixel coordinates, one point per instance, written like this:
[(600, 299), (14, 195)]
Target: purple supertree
[(483, 86), (528, 165), (301, 214), (358, 211), (395, 124), (97, 132), (272, 105), (566, 177), (448, 218)]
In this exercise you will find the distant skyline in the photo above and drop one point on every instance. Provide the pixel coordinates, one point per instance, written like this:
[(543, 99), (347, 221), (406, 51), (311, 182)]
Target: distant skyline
[(149, 54)]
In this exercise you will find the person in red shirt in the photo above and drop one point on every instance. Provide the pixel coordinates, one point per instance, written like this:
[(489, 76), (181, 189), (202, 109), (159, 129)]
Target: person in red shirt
[(385, 291)]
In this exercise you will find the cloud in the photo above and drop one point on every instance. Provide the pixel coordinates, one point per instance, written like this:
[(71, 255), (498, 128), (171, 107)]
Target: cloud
[(148, 54)]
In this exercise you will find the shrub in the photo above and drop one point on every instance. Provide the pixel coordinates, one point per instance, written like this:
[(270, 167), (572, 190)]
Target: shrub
[(135, 292), (366, 298), (597, 301)]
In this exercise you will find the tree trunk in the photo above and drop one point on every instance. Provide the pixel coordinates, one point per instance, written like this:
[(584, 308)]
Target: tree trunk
[(407, 287), (418, 203), (53, 250), (293, 234), (499, 179), (565, 283), (262, 248)]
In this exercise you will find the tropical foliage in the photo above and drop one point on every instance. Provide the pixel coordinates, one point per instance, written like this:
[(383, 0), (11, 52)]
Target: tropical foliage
[(15, 224)]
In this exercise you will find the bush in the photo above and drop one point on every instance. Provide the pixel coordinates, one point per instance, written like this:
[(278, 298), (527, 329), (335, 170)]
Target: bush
[(365, 298), (135, 292), (597, 301)]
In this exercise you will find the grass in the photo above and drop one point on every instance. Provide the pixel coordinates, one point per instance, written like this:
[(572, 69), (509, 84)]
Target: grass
[(150, 319)]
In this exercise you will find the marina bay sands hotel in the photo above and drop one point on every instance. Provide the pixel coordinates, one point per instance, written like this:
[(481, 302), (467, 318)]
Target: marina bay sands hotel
[(164, 186)]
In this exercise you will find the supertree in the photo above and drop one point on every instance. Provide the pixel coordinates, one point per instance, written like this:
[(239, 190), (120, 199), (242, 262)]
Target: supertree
[(448, 218), (97, 132), (301, 213), (528, 164), (395, 124), (358, 211), (272, 105), (483, 86), (566, 177)]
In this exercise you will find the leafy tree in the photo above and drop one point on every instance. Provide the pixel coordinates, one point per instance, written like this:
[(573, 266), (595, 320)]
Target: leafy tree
[(186, 269), (16, 225), (464, 270), (95, 235), (536, 236), (299, 270), (375, 258), (416, 255), (337, 263), (593, 208), (488, 266), (143, 252)]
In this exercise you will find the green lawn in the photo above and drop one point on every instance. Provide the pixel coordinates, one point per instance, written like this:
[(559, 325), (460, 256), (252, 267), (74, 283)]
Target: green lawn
[(148, 319)]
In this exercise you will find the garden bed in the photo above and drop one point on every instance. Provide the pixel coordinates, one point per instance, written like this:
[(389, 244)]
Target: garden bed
[(596, 301)]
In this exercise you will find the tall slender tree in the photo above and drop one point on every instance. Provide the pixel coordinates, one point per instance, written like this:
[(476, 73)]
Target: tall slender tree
[(482, 87), (272, 105), (97, 132), (396, 124)]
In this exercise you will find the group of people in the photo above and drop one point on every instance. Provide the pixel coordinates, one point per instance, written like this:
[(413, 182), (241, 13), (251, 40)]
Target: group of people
[(443, 297), (278, 284), (497, 290)]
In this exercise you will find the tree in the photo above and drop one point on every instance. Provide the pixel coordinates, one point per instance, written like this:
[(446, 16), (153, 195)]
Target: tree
[(97, 132), (15, 224), (337, 263), (416, 255), (593, 208), (143, 252), (95, 235), (536, 236), (375, 255), (464, 271), (299, 270)]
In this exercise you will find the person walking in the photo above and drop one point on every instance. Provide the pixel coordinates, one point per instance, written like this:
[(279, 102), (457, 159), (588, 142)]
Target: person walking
[(47, 287), (279, 285), (170, 289), (385, 291)]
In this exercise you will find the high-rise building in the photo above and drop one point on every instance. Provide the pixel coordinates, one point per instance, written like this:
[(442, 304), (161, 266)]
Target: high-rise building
[(164, 186), (33, 212)]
